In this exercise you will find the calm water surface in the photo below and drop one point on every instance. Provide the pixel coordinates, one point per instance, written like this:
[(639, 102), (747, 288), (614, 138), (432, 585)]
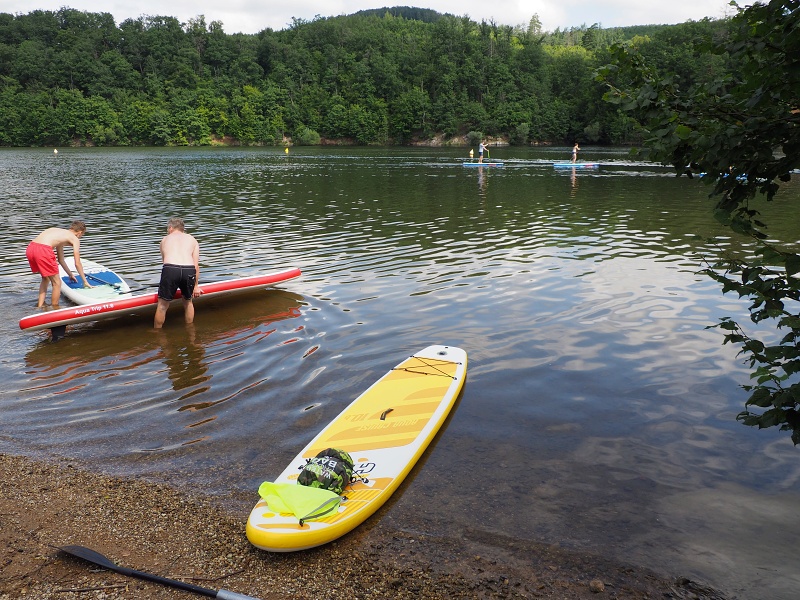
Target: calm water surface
[(598, 414)]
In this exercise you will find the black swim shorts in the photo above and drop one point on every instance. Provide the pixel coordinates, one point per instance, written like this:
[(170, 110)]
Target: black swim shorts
[(174, 277)]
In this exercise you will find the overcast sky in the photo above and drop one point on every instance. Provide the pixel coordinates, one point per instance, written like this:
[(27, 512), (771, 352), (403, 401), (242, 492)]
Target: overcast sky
[(252, 16)]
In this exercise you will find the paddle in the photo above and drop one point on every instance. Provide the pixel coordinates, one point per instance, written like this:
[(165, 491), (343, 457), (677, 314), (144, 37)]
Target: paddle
[(101, 280), (98, 559), (118, 286), (149, 286)]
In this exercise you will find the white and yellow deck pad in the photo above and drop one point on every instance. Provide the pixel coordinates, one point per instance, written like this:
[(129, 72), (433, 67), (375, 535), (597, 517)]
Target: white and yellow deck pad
[(386, 430)]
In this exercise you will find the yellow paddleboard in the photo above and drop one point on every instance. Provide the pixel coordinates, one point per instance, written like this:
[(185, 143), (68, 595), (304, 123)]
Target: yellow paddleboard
[(386, 429)]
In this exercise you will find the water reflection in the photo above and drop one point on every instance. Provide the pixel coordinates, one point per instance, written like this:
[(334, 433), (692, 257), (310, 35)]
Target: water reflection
[(129, 352), (573, 178), (183, 357)]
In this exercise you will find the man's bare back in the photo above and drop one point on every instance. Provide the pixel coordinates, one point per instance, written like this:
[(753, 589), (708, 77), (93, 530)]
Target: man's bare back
[(180, 248)]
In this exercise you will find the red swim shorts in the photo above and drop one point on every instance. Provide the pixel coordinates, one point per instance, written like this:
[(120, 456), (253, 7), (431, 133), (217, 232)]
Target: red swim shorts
[(42, 259)]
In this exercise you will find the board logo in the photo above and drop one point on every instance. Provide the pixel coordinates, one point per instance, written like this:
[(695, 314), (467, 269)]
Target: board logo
[(363, 468), (94, 308)]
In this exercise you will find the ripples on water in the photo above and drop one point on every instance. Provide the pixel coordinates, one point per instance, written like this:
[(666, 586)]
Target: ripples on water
[(598, 407)]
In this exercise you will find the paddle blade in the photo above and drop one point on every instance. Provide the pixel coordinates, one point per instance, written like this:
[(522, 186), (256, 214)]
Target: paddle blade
[(95, 557), (91, 555)]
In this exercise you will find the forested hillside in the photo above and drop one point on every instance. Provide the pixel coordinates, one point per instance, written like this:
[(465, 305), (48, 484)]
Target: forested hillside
[(393, 76)]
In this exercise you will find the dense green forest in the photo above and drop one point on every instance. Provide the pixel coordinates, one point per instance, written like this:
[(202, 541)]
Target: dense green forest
[(387, 76)]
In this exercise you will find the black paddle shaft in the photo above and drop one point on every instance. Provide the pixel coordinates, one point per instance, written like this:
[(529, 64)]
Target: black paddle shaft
[(172, 582), (100, 560)]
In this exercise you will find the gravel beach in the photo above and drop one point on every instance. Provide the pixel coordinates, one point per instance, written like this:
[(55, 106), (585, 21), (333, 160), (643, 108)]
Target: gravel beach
[(153, 528)]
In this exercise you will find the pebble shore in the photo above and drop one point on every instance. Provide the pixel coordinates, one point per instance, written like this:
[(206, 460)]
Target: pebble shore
[(153, 528)]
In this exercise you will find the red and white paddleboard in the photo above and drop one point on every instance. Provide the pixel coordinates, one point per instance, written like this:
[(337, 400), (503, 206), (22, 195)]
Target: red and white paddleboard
[(138, 304)]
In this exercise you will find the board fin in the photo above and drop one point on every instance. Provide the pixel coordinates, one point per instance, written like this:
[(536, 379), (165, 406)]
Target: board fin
[(57, 333)]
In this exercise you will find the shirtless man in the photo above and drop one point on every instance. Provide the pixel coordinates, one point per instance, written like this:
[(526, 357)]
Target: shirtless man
[(43, 261), (180, 254)]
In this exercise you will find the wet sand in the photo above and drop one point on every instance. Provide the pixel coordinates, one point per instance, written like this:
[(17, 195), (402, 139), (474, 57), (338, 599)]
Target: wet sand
[(154, 528)]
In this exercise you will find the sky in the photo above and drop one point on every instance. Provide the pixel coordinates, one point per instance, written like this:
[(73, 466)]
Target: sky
[(252, 16)]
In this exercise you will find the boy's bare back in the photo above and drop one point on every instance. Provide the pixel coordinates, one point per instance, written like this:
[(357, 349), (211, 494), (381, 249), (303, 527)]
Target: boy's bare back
[(56, 237)]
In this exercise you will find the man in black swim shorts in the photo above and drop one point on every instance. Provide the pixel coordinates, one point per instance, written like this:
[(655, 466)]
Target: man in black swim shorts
[(180, 254), (174, 277)]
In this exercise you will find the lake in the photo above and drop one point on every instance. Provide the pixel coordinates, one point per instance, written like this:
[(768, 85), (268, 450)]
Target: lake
[(599, 410)]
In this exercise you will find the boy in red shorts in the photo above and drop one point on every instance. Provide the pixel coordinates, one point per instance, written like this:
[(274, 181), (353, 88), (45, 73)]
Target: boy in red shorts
[(45, 262)]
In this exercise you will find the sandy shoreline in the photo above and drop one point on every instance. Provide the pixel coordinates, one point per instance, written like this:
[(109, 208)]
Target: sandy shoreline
[(159, 530)]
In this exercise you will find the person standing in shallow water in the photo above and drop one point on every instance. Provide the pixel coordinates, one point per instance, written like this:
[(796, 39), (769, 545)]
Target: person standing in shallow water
[(43, 261), (180, 255)]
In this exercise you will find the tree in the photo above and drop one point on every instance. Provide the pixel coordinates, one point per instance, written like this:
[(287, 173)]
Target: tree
[(535, 26), (742, 130), (408, 113), (590, 37)]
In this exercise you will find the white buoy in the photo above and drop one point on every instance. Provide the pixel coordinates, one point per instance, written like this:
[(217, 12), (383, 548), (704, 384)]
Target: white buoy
[(55, 150)]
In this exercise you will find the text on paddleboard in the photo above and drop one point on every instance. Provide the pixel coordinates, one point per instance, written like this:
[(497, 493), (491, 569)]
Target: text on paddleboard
[(94, 308)]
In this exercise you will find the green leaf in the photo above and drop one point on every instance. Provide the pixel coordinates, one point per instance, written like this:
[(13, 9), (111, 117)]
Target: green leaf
[(722, 216), (762, 397), (748, 418), (792, 265), (771, 418), (771, 256), (683, 132), (782, 400)]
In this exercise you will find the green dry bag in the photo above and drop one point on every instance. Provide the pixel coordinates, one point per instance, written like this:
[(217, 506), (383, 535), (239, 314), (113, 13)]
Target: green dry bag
[(331, 469)]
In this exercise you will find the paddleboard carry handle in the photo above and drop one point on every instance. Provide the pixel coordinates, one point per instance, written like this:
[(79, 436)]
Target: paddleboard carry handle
[(323, 509)]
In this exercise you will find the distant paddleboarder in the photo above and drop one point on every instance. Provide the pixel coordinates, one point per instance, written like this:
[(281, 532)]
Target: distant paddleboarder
[(575, 149)]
